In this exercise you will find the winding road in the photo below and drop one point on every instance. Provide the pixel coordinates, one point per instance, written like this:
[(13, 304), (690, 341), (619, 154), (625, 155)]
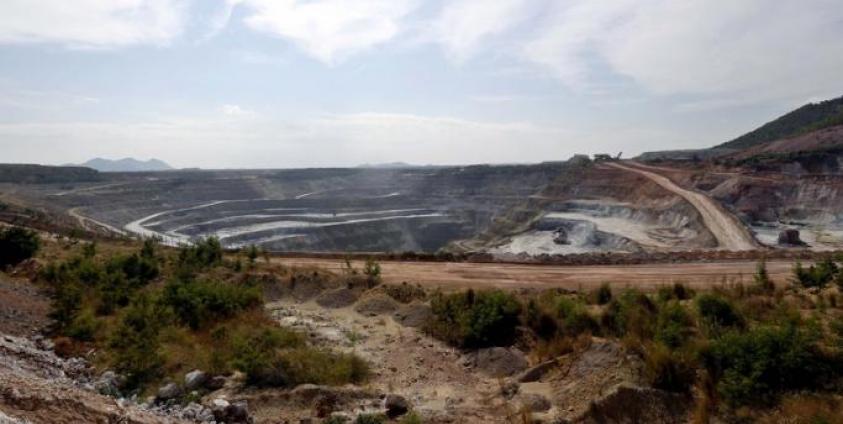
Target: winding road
[(729, 232)]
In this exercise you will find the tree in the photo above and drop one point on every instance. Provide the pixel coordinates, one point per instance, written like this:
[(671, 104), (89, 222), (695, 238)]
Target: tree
[(17, 245)]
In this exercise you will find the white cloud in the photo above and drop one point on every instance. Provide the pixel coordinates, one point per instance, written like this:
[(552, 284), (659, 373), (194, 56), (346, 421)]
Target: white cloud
[(464, 24), (91, 23), (330, 30), (751, 49), (235, 110)]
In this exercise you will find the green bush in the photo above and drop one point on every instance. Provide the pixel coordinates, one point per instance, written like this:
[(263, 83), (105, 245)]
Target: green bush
[(255, 353), (631, 313), (815, 276), (472, 320), (673, 325), (84, 326), (17, 245), (669, 369), (198, 302), (574, 318), (201, 255), (756, 366), (602, 295), (135, 343), (717, 313), (313, 366)]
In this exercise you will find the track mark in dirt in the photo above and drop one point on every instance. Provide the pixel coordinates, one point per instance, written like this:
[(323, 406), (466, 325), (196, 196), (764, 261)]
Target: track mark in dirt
[(728, 231)]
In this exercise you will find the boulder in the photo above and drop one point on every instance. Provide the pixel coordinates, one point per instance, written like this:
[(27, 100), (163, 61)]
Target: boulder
[(168, 392), (790, 237), (215, 383), (108, 384), (396, 406), (238, 412), (195, 380), (534, 402), (498, 361), (537, 372)]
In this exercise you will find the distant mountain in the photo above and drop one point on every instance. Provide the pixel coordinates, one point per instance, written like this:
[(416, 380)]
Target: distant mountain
[(126, 165), (808, 118), (391, 165)]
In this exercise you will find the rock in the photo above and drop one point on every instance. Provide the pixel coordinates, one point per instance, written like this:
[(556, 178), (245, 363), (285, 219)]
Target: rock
[(560, 236), (537, 372), (215, 383), (108, 384), (218, 408), (790, 237), (396, 406), (413, 315), (168, 391), (195, 380), (509, 390), (238, 412), (498, 361), (535, 402), (633, 404)]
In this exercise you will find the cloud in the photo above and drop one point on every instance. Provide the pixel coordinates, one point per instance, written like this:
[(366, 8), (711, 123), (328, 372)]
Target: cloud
[(752, 49), (235, 110), (91, 23), (330, 30), (463, 25)]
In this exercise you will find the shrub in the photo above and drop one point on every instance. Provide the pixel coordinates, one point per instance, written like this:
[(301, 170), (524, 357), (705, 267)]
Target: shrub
[(84, 326), (540, 321), (135, 342), (756, 366), (677, 291), (669, 369), (717, 312), (65, 303), (602, 295), (17, 245), (312, 366), (673, 325), (202, 255), (198, 302), (466, 319), (631, 313), (255, 353), (372, 270), (574, 317), (762, 278), (815, 276)]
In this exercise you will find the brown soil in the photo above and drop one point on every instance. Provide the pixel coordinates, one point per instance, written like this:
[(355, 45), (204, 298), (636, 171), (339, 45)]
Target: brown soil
[(515, 276), (23, 309)]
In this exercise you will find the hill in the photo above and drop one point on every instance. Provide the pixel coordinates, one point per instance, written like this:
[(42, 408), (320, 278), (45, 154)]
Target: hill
[(38, 174), (808, 118), (127, 165)]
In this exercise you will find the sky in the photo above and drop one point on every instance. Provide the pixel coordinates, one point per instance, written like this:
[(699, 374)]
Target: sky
[(309, 83)]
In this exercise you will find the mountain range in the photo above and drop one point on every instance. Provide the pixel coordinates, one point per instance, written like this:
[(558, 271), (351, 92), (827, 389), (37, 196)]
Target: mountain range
[(126, 165)]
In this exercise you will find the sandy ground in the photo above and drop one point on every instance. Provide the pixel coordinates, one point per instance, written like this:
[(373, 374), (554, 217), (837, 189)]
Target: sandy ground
[(730, 234), (514, 276)]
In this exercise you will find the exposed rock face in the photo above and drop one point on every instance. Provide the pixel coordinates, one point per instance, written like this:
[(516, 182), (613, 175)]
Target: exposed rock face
[(498, 361), (790, 237)]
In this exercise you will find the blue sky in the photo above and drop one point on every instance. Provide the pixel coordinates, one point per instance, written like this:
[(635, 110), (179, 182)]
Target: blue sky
[(296, 83)]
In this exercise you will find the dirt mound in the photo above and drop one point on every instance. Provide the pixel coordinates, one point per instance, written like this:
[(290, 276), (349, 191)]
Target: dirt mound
[(591, 373), (630, 404), (378, 304), (413, 315), (498, 361), (23, 309), (337, 298), (35, 386)]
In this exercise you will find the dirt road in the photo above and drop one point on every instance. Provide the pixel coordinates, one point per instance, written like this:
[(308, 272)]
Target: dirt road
[(486, 275), (729, 232)]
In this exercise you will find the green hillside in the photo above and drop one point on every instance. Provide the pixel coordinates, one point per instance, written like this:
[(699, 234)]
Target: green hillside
[(807, 118)]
